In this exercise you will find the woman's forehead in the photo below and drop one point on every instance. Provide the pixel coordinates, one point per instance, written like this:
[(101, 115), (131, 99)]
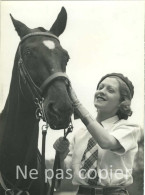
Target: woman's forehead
[(109, 81)]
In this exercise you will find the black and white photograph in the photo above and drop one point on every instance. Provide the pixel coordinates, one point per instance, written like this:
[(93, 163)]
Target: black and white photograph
[(72, 97)]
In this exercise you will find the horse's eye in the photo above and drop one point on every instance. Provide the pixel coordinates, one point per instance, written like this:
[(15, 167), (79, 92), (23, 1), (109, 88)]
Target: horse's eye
[(65, 61), (27, 52), (67, 58)]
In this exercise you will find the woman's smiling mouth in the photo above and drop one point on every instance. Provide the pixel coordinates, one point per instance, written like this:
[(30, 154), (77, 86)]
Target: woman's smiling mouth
[(101, 98)]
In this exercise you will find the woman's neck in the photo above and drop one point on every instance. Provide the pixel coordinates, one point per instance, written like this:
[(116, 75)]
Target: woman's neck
[(101, 116)]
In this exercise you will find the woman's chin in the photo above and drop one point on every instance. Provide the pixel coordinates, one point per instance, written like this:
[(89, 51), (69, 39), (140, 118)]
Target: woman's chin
[(99, 105)]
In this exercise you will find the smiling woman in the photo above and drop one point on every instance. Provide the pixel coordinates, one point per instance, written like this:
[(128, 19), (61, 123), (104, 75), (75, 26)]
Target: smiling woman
[(110, 141)]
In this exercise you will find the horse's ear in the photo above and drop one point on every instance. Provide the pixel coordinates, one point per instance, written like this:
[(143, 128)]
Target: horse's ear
[(21, 28), (60, 23)]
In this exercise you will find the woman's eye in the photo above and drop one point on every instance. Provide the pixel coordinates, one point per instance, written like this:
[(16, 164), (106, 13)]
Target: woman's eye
[(100, 87), (111, 90)]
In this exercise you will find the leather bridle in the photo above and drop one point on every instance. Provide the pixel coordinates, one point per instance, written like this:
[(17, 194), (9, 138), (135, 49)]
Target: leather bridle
[(36, 91)]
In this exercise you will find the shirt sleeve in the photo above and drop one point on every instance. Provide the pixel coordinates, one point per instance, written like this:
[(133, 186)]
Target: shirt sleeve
[(127, 136)]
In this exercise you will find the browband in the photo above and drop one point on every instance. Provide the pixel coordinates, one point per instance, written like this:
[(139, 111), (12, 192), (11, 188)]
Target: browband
[(38, 34)]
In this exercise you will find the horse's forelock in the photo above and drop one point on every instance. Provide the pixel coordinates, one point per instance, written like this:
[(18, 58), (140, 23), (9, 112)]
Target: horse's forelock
[(42, 29)]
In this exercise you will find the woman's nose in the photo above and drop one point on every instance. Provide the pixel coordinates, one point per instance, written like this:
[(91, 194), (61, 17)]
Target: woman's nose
[(103, 89), (100, 91)]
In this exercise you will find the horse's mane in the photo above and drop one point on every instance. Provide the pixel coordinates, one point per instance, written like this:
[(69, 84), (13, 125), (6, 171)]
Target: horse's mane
[(13, 84)]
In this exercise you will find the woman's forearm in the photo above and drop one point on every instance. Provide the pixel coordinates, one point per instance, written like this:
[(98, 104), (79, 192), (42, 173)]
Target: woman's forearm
[(101, 136)]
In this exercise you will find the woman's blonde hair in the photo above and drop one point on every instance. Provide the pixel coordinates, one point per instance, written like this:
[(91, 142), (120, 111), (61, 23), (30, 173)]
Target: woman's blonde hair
[(124, 110)]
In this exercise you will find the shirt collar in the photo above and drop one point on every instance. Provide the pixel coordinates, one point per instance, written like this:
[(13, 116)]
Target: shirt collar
[(108, 123)]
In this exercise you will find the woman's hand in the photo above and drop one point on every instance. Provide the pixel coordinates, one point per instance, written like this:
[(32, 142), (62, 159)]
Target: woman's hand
[(61, 145), (73, 96), (79, 110)]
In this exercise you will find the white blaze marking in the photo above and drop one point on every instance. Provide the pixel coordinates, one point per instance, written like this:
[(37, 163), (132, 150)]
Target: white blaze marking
[(49, 44)]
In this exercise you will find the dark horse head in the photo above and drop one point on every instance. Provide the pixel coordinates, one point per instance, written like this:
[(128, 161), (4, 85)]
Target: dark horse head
[(44, 57), (38, 78)]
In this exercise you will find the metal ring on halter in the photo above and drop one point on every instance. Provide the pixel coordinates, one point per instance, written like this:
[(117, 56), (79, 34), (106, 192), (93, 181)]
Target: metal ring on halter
[(38, 101), (9, 192)]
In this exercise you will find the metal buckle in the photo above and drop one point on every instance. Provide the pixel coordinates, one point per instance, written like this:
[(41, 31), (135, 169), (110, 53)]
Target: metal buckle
[(9, 192), (69, 130), (19, 193), (44, 128), (38, 112)]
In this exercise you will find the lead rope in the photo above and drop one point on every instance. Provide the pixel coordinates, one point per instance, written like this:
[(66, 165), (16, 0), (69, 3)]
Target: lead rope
[(57, 161), (43, 184), (40, 114)]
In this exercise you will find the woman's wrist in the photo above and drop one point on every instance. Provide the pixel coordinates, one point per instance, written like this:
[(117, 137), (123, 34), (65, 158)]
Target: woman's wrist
[(87, 119), (83, 114), (80, 110), (62, 156)]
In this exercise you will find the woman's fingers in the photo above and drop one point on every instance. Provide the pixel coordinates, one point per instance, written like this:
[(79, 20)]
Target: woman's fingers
[(61, 145), (73, 96)]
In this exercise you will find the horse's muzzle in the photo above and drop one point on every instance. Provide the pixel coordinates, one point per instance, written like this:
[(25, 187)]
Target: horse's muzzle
[(61, 124), (59, 117)]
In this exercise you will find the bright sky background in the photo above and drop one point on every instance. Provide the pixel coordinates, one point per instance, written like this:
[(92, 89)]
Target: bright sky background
[(101, 37)]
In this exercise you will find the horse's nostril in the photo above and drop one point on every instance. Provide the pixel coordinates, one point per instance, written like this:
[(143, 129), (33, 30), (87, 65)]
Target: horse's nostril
[(52, 109), (50, 106), (59, 113)]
